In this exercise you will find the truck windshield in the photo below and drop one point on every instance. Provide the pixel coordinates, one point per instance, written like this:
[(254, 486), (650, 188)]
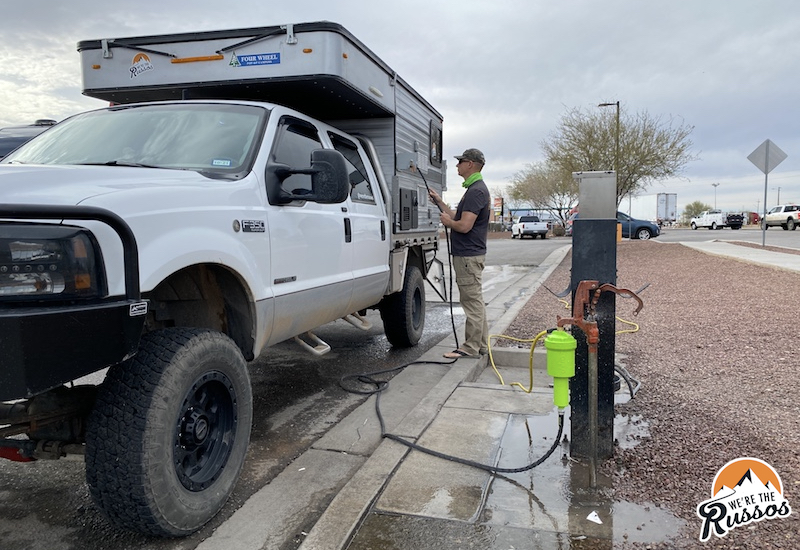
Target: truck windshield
[(216, 139)]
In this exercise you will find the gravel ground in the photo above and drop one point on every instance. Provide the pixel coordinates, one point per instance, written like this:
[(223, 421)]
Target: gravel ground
[(717, 355)]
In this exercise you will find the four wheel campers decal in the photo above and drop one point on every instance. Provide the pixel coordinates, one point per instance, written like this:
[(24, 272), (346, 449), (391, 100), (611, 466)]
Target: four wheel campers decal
[(251, 60)]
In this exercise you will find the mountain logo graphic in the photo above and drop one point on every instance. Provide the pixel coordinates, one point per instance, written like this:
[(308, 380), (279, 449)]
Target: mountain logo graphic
[(140, 64), (744, 490)]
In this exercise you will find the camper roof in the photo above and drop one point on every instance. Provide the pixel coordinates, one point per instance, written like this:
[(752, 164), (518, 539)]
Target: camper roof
[(293, 65)]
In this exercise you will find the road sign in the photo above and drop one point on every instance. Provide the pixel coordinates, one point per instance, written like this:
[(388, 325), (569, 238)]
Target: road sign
[(767, 156)]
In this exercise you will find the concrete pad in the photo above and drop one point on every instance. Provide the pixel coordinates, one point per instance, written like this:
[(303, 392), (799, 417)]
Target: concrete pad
[(430, 486), (359, 432), (789, 262), (520, 357), (420, 418), (275, 513), (502, 399), (508, 376)]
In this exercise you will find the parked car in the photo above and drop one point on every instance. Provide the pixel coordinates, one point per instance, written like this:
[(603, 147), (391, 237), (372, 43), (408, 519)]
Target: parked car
[(785, 215), (530, 226), (14, 136), (631, 227)]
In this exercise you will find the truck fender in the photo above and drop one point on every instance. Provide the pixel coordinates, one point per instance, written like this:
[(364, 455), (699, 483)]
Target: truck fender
[(169, 254)]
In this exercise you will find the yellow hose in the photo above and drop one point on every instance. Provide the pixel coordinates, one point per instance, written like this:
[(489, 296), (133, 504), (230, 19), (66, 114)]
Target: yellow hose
[(530, 358)]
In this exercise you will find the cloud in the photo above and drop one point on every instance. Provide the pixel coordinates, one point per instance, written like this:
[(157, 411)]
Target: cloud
[(502, 74)]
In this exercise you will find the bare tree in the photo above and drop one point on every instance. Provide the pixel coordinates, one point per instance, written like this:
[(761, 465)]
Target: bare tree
[(693, 210), (545, 186), (650, 149)]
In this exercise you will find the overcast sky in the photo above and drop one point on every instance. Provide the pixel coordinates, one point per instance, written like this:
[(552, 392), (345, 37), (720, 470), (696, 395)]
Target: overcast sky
[(502, 72)]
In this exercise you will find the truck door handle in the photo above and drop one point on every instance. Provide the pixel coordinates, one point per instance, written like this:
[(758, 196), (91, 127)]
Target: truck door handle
[(383, 230), (348, 231)]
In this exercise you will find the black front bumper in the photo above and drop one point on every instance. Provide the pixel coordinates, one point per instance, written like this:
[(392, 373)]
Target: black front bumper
[(43, 346)]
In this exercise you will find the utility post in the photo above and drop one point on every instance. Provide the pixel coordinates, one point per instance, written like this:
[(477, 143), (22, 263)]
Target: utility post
[(594, 258)]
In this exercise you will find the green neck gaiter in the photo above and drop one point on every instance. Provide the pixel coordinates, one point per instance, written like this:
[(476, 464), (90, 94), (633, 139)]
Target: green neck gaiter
[(471, 179)]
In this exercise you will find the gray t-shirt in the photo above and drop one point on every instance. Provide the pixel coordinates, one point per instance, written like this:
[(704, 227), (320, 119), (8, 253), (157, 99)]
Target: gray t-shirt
[(473, 243)]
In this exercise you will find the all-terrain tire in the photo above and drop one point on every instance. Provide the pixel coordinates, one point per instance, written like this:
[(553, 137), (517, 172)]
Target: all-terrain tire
[(168, 435), (403, 313)]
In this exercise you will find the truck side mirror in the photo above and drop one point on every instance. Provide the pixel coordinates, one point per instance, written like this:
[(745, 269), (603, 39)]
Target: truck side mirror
[(330, 182)]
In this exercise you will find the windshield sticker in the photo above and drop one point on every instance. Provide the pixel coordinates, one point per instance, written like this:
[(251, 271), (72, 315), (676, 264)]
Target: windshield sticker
[(141, 64), (251, 60), (221, 162)]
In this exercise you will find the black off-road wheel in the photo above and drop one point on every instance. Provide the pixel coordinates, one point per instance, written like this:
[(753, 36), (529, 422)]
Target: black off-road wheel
[(403, 313), (168, 435)]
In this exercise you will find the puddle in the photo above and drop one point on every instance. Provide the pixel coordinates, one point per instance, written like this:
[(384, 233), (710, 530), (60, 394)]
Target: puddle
[(556, 496), (629, 430)]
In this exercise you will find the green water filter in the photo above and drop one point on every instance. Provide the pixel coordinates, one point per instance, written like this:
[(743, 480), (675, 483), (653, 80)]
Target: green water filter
[(560, 347)]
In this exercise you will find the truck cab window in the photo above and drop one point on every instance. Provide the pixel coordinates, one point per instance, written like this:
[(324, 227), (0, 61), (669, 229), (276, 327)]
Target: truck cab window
[(361, 190), (296, 139)]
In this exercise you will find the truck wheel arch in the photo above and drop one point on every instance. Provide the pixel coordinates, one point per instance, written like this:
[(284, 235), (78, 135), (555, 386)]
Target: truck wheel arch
[(205, 296)]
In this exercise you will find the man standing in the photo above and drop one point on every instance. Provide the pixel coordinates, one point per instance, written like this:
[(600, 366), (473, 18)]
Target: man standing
[(470, 226)]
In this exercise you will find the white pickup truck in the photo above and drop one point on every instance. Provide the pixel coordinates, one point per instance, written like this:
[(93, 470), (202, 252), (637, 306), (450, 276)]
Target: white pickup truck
[(243, 188), (717, 219), (529, 226), (786, 216)]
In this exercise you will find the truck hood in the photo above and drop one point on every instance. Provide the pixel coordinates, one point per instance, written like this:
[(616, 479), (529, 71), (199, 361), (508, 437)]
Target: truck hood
[(73, 185)]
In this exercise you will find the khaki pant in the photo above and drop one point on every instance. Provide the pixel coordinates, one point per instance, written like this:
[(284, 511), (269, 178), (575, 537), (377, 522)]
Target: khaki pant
[(469, 274)]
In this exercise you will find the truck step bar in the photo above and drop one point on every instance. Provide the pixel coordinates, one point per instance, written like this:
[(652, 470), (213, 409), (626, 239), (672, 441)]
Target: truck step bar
[(321, 347), (358, 321)]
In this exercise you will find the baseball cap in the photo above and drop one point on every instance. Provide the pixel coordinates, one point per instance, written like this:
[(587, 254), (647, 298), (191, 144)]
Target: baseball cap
[(474, 155)]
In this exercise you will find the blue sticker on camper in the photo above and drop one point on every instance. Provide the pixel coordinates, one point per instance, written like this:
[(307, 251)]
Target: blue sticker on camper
[(251, 60)]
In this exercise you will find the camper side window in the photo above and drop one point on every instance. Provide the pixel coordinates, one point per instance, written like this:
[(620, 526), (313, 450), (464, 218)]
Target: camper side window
[(361, 189), (296, 140)]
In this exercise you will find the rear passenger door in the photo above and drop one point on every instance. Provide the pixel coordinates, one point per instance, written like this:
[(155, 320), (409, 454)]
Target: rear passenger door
[(369, 224), (311, 260)]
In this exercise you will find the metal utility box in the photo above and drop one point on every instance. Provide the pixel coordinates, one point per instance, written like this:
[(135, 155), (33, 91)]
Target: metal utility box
[(597, 194), (319, 69)]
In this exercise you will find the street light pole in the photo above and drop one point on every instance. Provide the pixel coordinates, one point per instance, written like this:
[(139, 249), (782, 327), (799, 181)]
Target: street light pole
[(715, 185)]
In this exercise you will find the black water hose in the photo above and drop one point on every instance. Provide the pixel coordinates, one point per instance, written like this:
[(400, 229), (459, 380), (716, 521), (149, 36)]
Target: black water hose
[(379, 386)]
